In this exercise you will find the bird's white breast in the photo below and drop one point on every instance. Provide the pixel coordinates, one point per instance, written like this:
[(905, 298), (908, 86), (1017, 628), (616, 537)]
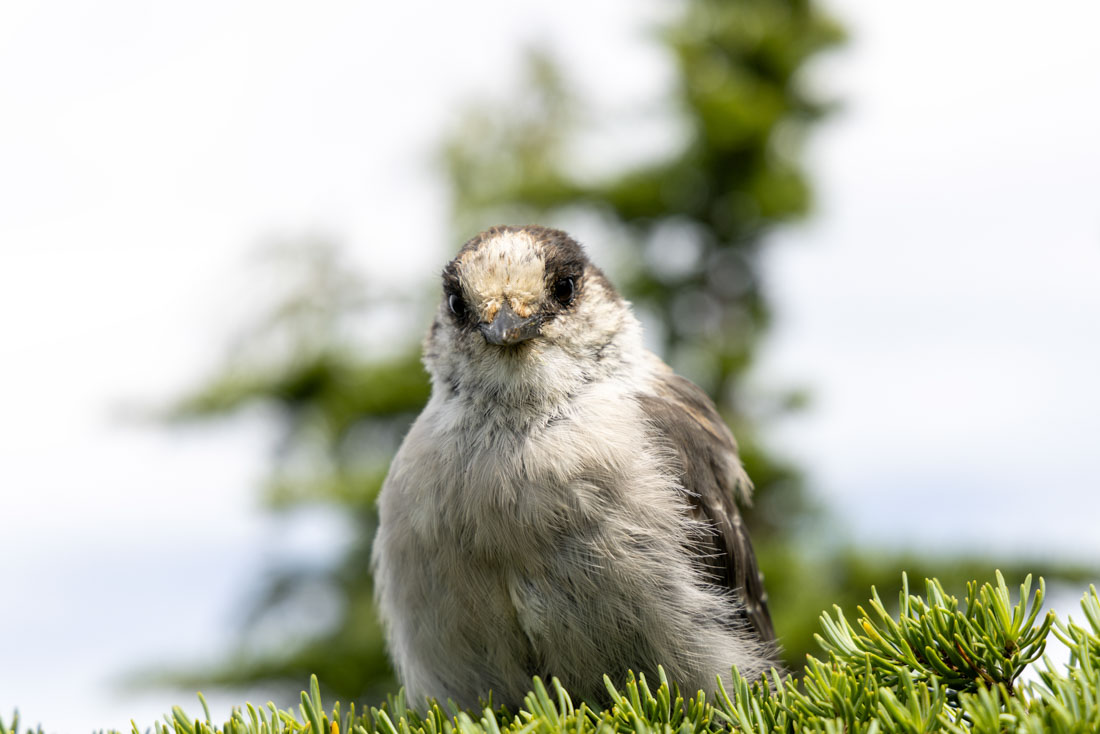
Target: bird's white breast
[(498, 486)]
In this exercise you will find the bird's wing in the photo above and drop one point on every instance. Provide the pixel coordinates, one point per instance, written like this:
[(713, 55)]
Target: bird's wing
[(714, 481)]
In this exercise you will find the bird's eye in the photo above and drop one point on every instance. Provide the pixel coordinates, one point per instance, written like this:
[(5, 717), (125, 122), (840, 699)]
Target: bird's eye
[(457, 305), (564, 291)]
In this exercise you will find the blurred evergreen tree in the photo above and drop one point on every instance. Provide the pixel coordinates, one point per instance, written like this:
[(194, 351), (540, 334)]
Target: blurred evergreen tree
[(342, 414), (690, 228)]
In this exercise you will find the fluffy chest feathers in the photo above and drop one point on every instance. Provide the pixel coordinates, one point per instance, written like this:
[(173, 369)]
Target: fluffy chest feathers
[(496, 485)]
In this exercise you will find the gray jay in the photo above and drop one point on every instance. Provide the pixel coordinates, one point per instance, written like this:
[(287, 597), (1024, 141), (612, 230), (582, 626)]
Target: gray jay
[(565, 505)]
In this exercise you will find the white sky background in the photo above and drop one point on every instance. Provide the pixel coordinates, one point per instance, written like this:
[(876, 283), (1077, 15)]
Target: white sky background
[(943, 305)]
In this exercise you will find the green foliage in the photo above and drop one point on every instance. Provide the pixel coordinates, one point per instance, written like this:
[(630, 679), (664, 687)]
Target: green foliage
[(989, 641), (800, 579), (941, 665)]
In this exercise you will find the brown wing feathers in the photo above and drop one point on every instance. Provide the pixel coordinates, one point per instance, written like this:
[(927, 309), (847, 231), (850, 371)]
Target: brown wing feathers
[(714, 480)]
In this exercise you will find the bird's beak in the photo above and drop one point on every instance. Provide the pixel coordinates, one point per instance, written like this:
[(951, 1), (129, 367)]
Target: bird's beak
[(508, 328)]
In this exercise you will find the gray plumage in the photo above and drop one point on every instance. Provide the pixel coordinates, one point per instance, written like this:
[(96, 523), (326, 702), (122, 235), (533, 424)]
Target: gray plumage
[(565, 505)]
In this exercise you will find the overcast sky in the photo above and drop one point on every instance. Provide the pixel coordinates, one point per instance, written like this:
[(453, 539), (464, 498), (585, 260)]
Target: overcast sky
[(942, 305)]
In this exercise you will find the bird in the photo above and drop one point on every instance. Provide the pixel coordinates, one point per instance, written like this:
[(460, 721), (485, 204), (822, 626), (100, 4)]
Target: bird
[(565, 506)]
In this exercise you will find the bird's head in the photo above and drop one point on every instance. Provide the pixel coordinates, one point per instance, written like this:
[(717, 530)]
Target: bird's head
[(519, 303)]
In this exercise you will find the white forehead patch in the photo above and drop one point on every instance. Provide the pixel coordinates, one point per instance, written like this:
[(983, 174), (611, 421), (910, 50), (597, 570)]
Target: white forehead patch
[(509, 265)]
